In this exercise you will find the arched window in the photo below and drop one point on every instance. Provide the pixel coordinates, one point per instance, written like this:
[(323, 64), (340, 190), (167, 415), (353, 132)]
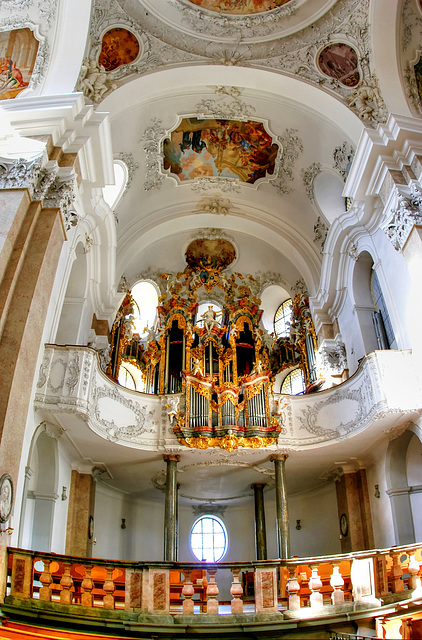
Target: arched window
[(382, 323), (146, 299), (126, 379), (294, 383), (282, 319), (113, 192), (208, 539)]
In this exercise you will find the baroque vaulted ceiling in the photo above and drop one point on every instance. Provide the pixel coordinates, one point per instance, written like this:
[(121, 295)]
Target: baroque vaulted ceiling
[(313, 73)]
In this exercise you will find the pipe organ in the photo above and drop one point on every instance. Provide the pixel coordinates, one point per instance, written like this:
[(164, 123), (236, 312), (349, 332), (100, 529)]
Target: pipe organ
[(222, 362)]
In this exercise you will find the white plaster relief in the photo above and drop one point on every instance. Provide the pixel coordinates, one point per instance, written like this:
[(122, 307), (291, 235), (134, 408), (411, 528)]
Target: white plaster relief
[(142, 420)]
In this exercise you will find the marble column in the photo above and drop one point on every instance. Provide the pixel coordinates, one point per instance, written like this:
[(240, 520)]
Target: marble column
[(170, 514), (80, 515), (260, 531), (282, 516)]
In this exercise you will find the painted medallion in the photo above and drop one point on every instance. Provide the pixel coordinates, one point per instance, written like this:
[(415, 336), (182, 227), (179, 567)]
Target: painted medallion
[(339, 61), (226, 148), (239, 7), (119, 46), (18, 51)]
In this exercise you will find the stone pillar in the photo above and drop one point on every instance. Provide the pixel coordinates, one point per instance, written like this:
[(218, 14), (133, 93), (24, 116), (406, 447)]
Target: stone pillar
[(170, 514), (28, 263), (354, 509), (282, 516), (80, 515), (260, 532)]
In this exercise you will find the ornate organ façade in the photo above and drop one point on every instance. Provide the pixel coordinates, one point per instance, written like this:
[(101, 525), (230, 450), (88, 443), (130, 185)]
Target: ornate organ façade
[(221, 363)]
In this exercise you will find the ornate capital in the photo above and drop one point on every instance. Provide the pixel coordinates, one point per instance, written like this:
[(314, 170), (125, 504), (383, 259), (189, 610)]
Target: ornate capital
[(407, 214), (279, 457), (171, 457)]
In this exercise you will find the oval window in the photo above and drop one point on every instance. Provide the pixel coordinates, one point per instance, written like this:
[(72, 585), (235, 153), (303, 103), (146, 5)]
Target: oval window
[(208, 539)]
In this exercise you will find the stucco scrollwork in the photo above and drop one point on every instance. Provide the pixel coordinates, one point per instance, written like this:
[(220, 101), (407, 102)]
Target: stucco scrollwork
[(227, 106), (131, 165), (343, 157), (320, 233), (205, 22), (214, 204), (405, 216), (152, 139), (20, 174), (114, 431), (333, 357), (308, 176), (292, 146), (226, 185)]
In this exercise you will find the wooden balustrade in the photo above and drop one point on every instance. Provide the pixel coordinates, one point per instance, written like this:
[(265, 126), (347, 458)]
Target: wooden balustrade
[(164, 587)]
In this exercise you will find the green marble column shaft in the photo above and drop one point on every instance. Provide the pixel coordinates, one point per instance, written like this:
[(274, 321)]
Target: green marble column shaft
[(260, 531), (283, 531), (170, 514)]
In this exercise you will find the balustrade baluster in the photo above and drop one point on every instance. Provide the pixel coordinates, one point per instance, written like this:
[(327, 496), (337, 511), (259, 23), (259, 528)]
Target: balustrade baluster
[(87, 599), (413, 570), (396, 573), (337, 582), (315, 585), (212, 593), (66, 583), (108, 586), (46, 580), (237, 592), (188, 591), (293, 589)]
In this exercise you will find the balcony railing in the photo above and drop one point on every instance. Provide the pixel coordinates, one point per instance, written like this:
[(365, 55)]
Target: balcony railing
[(297, 588)]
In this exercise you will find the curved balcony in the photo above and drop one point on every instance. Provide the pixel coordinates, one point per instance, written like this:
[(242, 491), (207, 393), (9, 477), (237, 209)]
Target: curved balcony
[(164, 599), (381, 393)]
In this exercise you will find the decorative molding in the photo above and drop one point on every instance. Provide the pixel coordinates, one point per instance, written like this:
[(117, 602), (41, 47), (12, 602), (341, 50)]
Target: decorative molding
[(89, 242), (141, 421), (226, 25), (320, 233), (131, 165), (266, 278), (367, 103), (152, 138), (308, 177), (333, 358), (215, 204), (292, 146), (343, 157), (353, 252), (226, 185), (20, 174), (405, 216), (227, 107)]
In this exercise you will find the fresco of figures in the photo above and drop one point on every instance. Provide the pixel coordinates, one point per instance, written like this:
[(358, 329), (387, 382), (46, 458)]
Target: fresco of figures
[(226, 148), (119, 46), (18, 51), (339, 61)]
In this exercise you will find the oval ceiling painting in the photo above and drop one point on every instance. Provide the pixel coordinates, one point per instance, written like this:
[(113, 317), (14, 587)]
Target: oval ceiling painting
[(119, 46), (340, 61), (239, 7), (226, 148)]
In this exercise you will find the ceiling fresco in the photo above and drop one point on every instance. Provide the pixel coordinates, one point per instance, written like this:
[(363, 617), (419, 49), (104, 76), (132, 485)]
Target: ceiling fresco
[(18, 51), (226, 148), (239, 7), (119, 46), (339, 61)]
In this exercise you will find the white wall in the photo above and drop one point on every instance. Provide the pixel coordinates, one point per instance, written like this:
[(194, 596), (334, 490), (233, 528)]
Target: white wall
[(382, 518)]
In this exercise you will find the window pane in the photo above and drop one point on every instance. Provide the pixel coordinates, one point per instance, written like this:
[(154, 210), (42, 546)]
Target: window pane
[(209, 539)]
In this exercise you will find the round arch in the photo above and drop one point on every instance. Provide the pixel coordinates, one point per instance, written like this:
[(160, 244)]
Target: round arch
[(40, 491), (402, 505)]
